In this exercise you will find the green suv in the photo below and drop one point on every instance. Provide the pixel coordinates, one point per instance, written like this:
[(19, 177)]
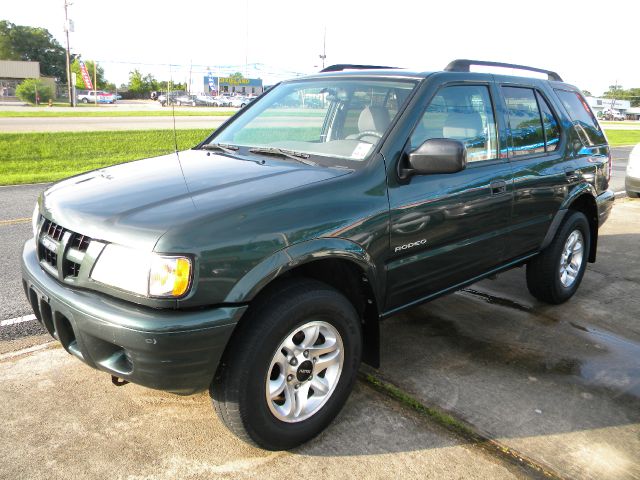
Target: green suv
[(259, 264)]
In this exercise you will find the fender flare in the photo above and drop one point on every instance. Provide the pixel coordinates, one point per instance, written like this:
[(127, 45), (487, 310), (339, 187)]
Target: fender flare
[(578, 191), (298, 254)]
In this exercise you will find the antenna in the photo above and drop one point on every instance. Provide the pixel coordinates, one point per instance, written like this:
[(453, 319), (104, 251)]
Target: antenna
[(173, 114)]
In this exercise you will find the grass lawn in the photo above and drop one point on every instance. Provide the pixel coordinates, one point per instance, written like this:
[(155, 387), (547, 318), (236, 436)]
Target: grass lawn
[(117, 113), (618, 138), (45, 157)]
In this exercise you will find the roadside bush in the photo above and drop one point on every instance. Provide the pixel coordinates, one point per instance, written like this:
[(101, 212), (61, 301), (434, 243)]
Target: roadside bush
[(26, 91)]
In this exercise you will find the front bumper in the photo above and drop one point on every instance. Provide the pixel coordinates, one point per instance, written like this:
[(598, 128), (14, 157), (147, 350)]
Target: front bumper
[(632, 184), (171, 350), (604, 202)]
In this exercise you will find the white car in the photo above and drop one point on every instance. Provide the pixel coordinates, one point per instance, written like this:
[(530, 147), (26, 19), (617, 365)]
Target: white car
[(239, 102), (632, 179), (208, 100)]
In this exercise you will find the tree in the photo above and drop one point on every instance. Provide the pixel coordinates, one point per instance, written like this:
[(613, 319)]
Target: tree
[(28, 89), (34, 44), (587, 93), (140, 84), (90, 64), (237, 76)]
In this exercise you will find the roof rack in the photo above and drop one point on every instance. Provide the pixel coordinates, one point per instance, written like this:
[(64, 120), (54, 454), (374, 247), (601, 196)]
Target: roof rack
[(346, 66), (463, 66)]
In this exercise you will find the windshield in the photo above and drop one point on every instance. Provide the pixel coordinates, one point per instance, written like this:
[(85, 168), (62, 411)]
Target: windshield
[(330, 118)]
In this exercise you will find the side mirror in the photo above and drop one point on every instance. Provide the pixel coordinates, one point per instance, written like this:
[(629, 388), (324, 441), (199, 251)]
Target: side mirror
[(436, 155)]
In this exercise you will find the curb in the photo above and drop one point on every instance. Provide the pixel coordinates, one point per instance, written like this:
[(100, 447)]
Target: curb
[(457, 426)]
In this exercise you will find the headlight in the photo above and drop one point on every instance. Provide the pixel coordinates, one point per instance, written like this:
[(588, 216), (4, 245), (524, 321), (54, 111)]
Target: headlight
[(34, 220), (147, 274)]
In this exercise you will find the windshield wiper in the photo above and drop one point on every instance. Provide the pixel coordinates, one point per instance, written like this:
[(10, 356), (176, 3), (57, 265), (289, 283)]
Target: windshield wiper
[(223, 147), (298, 156)]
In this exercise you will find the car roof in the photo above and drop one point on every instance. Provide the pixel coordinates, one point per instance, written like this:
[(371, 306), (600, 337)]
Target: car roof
[(361, 71), (402, 74)]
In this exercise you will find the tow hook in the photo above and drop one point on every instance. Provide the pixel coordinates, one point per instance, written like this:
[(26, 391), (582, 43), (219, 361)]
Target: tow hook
[(117, 381)]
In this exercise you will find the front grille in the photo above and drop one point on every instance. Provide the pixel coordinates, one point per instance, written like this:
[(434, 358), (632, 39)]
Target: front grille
[(71, 269), (54, 230), (55, 238), (49, 257), (81, 242)]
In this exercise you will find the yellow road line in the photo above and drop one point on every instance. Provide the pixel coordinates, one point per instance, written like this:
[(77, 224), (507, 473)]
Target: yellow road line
[(15, 221)]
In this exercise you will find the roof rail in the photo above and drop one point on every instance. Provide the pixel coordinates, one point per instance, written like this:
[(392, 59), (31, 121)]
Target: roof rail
[(346, 66), (463, 66)]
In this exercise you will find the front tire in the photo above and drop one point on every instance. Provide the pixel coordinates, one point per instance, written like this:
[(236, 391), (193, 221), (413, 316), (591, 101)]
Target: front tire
[(290, 365), (555, 274)]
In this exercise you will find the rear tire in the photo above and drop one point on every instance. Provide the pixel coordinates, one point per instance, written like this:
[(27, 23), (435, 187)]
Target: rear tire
[(555, 274), (633, 194), (262, 382)]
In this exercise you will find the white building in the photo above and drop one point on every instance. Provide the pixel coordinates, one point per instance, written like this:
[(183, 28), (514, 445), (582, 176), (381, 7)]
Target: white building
[(600, 104)]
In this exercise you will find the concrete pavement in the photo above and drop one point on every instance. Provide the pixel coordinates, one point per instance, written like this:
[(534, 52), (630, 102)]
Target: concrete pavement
[(560, 384), (63, 420)]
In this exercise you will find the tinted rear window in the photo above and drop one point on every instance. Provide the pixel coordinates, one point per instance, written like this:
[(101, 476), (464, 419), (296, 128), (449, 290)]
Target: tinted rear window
[(525, 123), (586, 124)]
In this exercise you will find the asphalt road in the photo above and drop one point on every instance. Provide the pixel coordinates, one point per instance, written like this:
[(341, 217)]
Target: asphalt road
[(86, 124), (83, 124)]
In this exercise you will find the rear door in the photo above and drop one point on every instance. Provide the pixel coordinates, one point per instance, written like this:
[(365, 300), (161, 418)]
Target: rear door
[(449, 228), (542, 170)]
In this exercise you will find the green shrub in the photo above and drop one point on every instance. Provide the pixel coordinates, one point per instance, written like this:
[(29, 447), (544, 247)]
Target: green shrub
[(26, 91)]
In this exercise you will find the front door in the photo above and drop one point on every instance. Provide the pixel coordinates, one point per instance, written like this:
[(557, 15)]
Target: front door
[(449, 228)]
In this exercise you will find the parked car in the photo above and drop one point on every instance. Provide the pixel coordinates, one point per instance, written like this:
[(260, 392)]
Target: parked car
[(89, 96), (613, 115), (187, 99), (239, 102), (259, 263), (208, 100), (170, 98), (632, 177), (224, 100)]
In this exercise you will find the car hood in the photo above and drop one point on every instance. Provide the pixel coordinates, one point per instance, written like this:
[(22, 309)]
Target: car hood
[(135, 203)]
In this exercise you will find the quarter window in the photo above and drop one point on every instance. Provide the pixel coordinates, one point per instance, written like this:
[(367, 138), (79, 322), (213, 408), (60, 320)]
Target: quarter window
[(583, 119), (461, 112)]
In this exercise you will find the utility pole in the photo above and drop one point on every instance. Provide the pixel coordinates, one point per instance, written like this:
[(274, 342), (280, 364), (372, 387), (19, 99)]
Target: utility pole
[(95, 82), (67, 27), (246, 40), (324, 47)]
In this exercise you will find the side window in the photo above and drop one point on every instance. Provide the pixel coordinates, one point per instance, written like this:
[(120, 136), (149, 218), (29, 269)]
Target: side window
[(525, 124), (461, 112), (550, 124), (583, 119)]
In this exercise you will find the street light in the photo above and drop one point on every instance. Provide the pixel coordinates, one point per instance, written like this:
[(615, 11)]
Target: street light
[(324, 48)]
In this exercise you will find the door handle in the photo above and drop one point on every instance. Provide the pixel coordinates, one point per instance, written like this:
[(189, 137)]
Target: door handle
[(572, 176), (498, 187)]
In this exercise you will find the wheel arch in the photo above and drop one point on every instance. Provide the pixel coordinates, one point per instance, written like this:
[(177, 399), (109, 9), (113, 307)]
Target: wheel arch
[(341, 264), (582, 199)]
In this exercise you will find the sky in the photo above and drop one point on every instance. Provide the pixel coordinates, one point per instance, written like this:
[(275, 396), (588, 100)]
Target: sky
[(584, 41)]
